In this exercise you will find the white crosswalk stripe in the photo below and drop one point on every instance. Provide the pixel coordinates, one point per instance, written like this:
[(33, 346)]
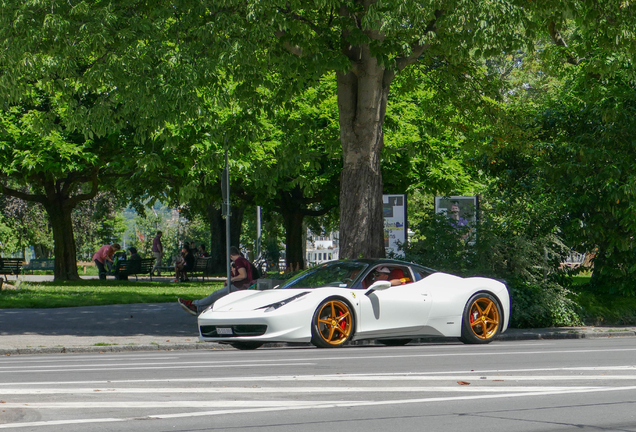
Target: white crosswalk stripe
[(86, 390)]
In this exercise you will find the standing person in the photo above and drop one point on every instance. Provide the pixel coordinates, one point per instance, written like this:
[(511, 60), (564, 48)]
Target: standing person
[(103, 256), (241, 278), (157, 250)]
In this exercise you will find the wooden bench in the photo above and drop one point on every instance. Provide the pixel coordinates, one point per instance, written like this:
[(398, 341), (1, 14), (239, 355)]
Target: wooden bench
[(85, 264), (11, 266), (127, 268), (202, 267), (43, 264)]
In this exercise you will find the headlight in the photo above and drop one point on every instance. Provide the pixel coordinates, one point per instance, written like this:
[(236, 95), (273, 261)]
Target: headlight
[(275, 306)]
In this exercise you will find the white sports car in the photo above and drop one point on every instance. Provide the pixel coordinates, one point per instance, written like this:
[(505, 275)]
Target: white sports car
[(387, 300)]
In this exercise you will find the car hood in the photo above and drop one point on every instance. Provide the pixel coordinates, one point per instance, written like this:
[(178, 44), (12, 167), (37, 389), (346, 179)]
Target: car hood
[(251, 300)]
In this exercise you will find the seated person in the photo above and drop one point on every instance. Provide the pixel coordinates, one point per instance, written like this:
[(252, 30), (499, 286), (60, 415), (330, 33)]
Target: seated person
[(241, 278), (395, 276), (184, 265), (202, 252), (133, 265)]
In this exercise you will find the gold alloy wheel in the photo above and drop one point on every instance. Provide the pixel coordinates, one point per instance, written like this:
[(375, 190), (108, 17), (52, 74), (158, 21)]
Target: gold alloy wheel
[(334, 322), (484, 318)]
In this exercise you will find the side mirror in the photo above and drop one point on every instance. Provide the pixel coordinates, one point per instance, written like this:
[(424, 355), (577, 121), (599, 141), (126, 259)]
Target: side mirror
[(378, 286)]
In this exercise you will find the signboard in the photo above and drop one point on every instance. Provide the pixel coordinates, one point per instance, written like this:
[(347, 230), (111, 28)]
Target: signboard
[(395, 226), (461, 208), (461, 211)]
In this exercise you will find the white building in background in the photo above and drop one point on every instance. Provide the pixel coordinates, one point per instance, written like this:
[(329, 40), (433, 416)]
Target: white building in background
[(320, 249)]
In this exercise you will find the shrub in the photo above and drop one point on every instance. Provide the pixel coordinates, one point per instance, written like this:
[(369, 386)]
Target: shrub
[(528, 264)]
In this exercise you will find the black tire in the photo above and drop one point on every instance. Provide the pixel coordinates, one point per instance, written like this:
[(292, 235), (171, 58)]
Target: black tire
[(481, 320), (394, 342), (246, 345), (332, 324)]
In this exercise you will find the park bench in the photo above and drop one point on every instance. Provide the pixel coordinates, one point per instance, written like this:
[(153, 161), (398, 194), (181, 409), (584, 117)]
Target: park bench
[(11, 266), (202, 267), (42, 264), (127, 268)]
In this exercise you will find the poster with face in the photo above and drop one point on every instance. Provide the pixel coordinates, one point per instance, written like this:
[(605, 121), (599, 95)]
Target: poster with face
[(461, 210), (395, 226)]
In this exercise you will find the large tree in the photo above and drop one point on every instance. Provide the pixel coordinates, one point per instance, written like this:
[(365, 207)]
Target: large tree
[(58, 168), (156, 57), (367, 44)]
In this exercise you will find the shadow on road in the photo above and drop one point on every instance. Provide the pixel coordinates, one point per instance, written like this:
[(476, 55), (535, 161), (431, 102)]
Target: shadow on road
[(155, 319)]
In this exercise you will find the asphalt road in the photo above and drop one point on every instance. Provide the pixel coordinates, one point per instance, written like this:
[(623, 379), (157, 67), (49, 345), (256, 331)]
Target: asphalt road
[(544, 385)]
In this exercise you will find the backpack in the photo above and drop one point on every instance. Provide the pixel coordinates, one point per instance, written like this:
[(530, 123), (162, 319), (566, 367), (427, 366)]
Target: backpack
[(256, 274)]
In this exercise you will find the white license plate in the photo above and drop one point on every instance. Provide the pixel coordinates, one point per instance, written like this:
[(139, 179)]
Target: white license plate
[(224, 330)]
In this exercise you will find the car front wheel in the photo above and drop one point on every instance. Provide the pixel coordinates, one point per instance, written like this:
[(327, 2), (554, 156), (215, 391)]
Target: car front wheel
[(332, 324), (481, 319)]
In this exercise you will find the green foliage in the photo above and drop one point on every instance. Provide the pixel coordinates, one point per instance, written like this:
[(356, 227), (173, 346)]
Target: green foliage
[(528, 263), (23, 225), (588, 162), (600, 308), (8, 238), (97, 222)]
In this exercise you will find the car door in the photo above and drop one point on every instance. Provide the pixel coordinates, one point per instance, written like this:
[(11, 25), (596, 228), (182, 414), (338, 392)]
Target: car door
[(400, 310)]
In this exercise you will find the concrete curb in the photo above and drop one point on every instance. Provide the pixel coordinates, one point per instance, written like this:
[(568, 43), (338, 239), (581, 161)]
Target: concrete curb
[(110, 349), (516, 335), (570, 334)]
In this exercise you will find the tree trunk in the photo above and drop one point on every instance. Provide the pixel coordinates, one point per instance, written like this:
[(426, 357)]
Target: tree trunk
[(294, 256), (64, 241), (217, 238), (236, 225), (362, 99), (217, 234)]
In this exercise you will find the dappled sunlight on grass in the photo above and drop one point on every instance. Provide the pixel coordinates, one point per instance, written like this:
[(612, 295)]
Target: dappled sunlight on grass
[(94, 293)]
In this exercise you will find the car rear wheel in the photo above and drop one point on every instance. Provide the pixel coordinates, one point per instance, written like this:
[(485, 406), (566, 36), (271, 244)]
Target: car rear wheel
[(247, 345), (481, 319), (332, 324)]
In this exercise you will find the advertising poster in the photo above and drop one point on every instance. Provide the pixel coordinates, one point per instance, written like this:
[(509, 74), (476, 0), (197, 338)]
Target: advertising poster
[(460, 210), (395, 227)]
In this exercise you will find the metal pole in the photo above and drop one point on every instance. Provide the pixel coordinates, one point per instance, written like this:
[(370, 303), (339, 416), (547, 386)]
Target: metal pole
[(258, 231), (228, 213)]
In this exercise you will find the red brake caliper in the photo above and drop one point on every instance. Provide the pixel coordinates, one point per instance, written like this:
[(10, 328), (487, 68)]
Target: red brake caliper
[(474, 316), (342, 324)]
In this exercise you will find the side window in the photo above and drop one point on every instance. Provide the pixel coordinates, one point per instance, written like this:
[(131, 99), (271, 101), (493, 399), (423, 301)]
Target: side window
[(420, 273)]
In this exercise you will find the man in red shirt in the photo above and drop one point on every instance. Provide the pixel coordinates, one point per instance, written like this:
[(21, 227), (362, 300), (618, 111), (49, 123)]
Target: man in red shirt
[(104, 255), (240, 279)]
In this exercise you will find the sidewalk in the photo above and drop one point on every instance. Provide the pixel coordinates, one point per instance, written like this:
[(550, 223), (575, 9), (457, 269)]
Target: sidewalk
[(165, 326)]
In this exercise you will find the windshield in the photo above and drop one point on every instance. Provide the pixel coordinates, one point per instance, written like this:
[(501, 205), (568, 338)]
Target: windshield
[(335, 274)]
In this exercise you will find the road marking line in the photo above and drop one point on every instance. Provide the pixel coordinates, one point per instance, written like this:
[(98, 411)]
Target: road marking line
[(167, 404), (468, 352), (478, 386), (314, 405), (204, 363), (214, 366), (466, 376)]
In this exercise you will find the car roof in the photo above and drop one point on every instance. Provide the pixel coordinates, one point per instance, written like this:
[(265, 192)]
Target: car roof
[(389, 261)]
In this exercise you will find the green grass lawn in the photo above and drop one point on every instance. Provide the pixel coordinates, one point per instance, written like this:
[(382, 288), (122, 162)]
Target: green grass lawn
[(95, 292)]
